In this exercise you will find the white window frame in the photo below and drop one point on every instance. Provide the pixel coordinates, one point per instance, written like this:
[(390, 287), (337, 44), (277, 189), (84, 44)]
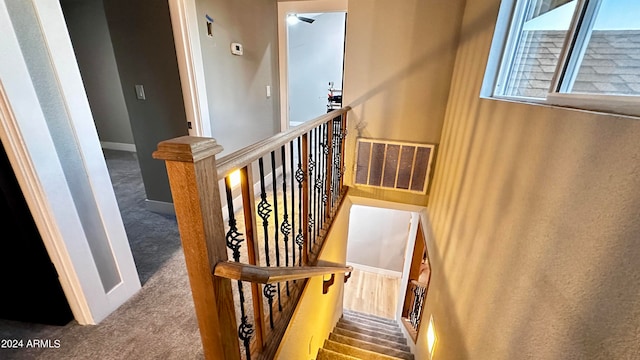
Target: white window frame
[(510, 21)]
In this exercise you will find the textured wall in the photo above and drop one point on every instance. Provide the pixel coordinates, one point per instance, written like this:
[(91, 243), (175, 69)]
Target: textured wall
[(241, 114), (378, 237), (87, 24), (318, 313), (535, 211), (143, 45), (398, 64)]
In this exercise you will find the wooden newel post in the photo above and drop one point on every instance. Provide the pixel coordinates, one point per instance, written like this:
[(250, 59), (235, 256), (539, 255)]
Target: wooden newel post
[(191, 166)]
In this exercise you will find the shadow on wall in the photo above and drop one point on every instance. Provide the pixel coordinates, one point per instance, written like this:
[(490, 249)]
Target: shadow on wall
[(439, 303), (536, 215), (428, 59)]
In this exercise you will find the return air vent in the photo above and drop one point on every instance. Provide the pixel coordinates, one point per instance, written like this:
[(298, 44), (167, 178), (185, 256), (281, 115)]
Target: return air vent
[(393, 165)]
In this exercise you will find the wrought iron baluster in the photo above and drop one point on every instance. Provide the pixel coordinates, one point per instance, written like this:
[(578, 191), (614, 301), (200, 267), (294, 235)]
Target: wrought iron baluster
[(326, 164), (285, 227), (264, 210), (234, 241), (321, 170), (312, 166), (337, 128), (293, 207), (275, 217), (318, 180), (299, 179)]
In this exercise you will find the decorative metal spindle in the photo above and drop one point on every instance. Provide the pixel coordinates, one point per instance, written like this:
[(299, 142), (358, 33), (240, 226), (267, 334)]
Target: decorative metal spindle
[(337, 126), (312, 166), (293, 206), (275, 217), (299, 179), (264, 210), (269, 292), (285, 227), (418, 299), (234, 241), (234, 237), (318, 181), (326, 164)]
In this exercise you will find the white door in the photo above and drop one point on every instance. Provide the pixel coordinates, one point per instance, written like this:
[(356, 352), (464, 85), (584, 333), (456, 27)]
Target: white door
[(50, 138)]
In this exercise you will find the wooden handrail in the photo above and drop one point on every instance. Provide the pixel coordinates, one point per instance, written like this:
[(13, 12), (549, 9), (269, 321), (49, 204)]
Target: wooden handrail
[(419, 284), (271, 275), (251, 153), (207, 236)]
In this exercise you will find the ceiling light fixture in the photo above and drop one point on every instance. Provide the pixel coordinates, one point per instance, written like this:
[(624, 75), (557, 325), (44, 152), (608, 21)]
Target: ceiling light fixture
[(293, 19)]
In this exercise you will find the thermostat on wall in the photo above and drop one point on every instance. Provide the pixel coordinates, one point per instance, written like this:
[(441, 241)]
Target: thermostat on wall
[(236, 48)]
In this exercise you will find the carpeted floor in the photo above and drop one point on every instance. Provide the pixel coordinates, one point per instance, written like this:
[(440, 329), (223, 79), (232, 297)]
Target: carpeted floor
[(159, 321)]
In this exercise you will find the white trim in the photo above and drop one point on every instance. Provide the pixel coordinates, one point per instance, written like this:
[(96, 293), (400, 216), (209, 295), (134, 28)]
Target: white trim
[(65, 66), (184, 19), (29, 150), (288, 7), (118, 146), (502, 49), (375, 270), (161, 207), (614, 104)]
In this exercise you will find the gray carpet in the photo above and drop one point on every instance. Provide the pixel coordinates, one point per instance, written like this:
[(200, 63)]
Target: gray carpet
[(159, 321)]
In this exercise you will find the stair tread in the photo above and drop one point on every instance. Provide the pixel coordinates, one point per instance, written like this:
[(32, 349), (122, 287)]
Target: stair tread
[(395, 330), (377, 333), (376, 347), (369, 316), (325, 354), (371, 339), (356, 351), (389, 326)]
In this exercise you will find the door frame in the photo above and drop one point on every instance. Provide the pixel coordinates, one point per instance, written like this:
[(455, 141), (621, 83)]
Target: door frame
[(289, 7), (31, 150), (186, 35)]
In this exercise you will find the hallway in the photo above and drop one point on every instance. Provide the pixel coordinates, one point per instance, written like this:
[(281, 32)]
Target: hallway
[(371, 293)]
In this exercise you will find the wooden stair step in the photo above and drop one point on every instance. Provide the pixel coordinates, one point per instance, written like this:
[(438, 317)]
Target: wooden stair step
[(324, 354), (370, 317), (395, 331), (372, 339), (378, 334), (370, 322), (376, 347), (356, 351)]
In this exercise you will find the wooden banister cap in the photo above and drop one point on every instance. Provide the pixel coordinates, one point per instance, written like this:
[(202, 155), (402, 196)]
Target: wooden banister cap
[(187, 149)]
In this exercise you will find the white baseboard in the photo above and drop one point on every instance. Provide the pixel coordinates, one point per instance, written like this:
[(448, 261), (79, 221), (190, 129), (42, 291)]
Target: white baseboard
[(375, 270), (161, 207), (118, 146)]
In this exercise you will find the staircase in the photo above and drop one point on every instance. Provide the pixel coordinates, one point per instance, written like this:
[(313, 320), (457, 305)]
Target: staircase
[(367, 337)]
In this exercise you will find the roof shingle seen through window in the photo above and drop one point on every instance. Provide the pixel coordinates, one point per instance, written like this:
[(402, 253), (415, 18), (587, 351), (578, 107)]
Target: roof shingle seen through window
[(611, 64)]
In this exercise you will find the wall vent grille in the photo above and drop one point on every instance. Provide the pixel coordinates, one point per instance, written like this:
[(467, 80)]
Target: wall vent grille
[(393, 165)]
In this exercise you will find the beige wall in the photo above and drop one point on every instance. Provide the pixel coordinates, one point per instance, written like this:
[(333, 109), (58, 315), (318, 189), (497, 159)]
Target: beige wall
[(89, 32), (398, 64), (240, 111), (318, 313), (535, 242)]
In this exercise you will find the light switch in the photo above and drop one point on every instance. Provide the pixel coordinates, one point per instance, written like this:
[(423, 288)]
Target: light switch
[(268, 91), (140, 92)]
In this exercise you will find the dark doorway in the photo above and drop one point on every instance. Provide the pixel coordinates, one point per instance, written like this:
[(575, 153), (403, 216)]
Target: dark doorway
[(31, 290)]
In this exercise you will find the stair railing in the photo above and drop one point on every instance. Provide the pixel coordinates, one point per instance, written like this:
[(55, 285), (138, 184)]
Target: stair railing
[(418, 292), (287, 190)]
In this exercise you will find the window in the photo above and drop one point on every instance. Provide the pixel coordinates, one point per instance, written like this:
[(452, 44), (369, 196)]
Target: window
[(568, 51)]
